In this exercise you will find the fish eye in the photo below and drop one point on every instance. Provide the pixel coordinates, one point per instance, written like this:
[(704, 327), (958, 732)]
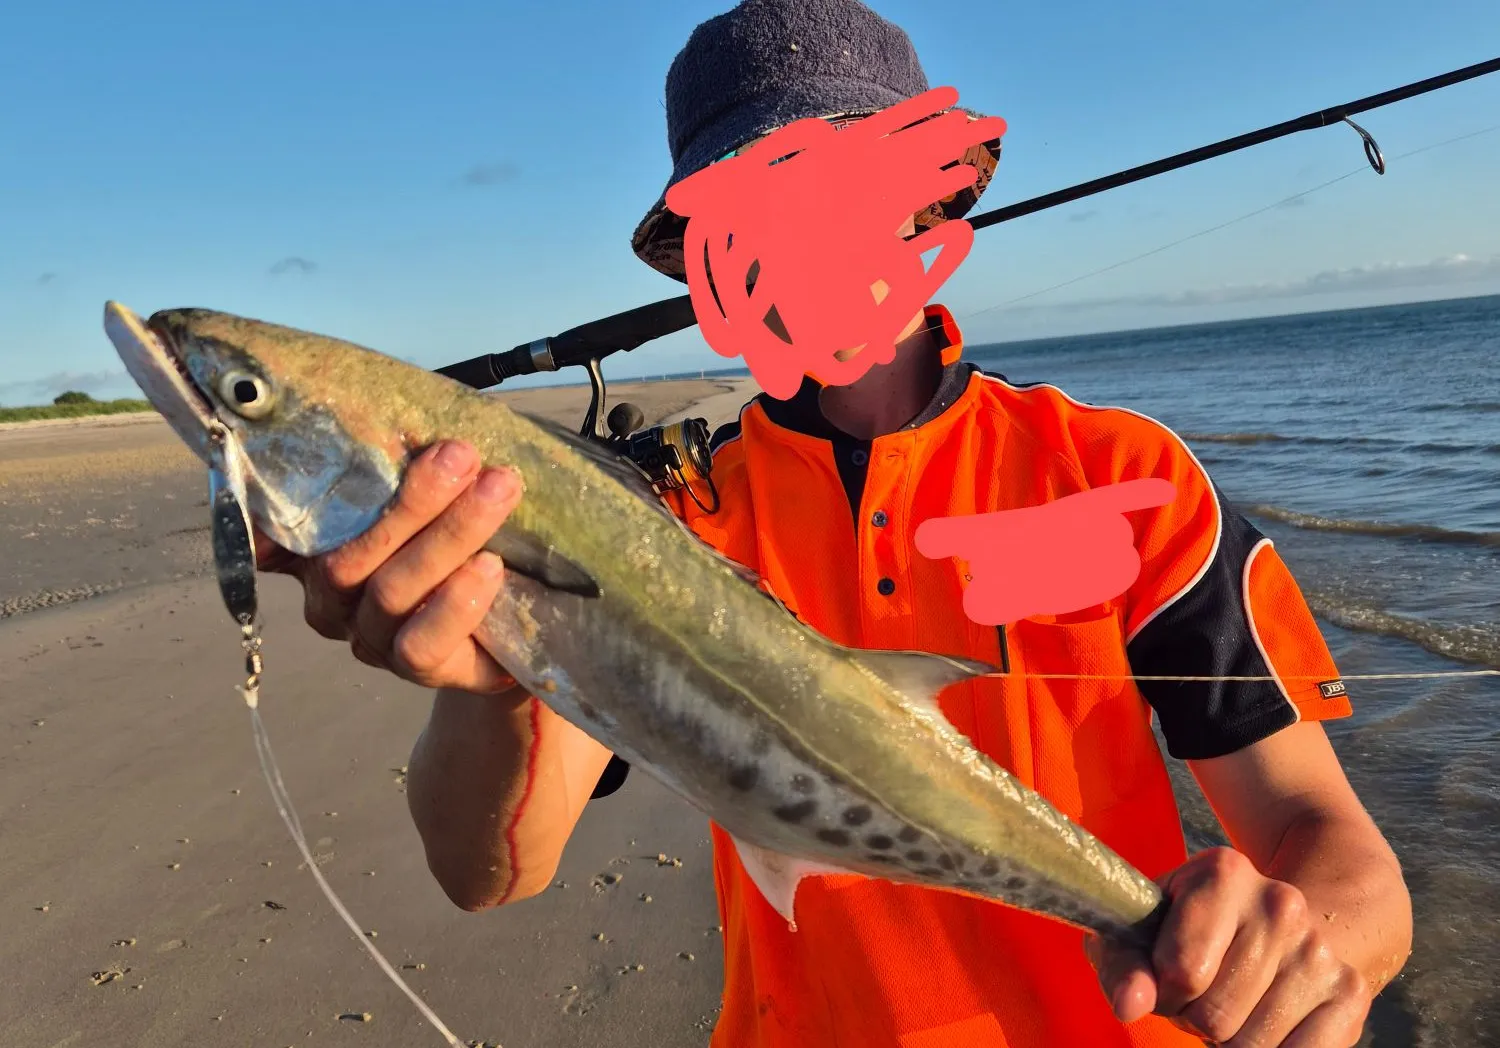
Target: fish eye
[(247, 394)]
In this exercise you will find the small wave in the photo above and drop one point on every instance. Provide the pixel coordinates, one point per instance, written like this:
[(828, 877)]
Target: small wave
[(1432, 447), (1238, 438), (1484, 407), (1458, 449), (1478, 645), (1425, 532)]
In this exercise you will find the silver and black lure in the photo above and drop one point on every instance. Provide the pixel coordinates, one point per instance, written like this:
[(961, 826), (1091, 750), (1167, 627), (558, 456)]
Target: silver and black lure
[(234, 552)]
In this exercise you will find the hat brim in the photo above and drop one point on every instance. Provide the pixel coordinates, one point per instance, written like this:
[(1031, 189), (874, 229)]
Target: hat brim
[(658, 239)]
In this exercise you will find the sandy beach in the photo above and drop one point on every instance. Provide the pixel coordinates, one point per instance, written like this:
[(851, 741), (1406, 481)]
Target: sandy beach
[(150, 892)]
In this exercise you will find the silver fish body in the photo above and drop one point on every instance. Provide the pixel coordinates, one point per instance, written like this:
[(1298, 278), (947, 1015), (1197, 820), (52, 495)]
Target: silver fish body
[(814, 757)]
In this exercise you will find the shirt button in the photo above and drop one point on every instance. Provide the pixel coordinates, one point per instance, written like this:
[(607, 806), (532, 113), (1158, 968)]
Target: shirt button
[(859, 458), (886, 587), (879, 518)]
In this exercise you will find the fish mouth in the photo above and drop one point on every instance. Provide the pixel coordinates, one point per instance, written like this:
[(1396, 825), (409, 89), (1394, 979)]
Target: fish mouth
[(153, 361)]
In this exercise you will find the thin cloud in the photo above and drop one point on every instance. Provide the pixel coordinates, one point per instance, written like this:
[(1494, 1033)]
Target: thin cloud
[(1082, 216), (1291, 202), (51, 385), (1382, 276), (46, 278), (484, 175), (293, 264)]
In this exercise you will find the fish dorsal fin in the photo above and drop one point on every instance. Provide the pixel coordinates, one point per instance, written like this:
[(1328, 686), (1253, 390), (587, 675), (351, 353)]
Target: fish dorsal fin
[(918, 676), (777, 875)]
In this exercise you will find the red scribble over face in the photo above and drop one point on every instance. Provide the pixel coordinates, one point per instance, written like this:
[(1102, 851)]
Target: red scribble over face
[(819, 214)]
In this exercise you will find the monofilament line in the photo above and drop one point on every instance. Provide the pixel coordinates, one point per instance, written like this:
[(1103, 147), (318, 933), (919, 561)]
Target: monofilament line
[(272, 772), (1283, 677)]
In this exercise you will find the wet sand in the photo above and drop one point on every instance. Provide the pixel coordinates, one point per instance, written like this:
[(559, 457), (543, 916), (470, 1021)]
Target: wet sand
[(143, 854)]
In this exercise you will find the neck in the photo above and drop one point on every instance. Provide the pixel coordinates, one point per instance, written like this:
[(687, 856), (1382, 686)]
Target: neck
[(887, 397)]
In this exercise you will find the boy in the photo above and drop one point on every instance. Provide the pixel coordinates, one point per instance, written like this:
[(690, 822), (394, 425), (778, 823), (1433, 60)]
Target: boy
[(1281, 940)]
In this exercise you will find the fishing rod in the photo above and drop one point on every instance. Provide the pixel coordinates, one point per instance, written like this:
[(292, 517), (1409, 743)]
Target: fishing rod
[(635, 327), (671, 457)]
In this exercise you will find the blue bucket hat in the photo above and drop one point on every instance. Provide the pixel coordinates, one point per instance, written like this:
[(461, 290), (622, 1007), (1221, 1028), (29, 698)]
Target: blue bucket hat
[(768, 63)]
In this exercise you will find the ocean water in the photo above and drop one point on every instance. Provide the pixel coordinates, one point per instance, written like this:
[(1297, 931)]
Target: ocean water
[(1366, 445)]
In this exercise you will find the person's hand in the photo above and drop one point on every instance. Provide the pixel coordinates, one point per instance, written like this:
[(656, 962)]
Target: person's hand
[(408, 594), (1238, 960)]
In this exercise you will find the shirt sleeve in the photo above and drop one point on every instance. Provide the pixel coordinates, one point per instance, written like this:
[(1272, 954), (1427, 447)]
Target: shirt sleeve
[(1214, 599)]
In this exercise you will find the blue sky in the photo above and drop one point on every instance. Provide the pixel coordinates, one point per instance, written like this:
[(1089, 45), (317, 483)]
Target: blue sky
[(443, 179)]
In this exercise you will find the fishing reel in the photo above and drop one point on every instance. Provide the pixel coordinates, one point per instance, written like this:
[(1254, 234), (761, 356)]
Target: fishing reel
[(674, 456)]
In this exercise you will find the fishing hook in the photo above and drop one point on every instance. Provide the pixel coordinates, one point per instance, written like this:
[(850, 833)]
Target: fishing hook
[(1372, 148)]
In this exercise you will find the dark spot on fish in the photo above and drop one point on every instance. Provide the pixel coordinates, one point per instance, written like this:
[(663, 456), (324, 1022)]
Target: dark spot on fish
[(795, 812), (945, 861), (589, 713), (989, 869), (970, 886), (1015, 883), (802, 783), (879, 841), (909, 834), (884, 860), (916, 855), (838, 837), (857, 816), (760, 744), (744, 776), (930, 871)]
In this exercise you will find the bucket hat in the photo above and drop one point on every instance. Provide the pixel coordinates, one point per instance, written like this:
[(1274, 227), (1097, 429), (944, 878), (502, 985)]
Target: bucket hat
[(767, 63)]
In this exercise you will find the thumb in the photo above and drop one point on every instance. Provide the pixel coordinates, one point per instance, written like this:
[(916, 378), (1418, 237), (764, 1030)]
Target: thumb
[(1125, 976)]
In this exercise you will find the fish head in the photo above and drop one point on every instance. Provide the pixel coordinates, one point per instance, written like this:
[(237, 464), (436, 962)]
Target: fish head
[(317, 461)]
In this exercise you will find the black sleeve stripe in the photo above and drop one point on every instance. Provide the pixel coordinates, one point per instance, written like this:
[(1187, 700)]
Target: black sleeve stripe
[(617, 770), (613, 777), (1207, 632)]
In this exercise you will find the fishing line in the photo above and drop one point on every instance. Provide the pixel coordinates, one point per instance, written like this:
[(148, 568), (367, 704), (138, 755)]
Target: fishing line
[(1282, 678), (272, 772), (1222, 225)]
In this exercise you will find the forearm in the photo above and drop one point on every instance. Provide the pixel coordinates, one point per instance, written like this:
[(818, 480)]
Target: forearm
[(1354, 889), (495, 784)]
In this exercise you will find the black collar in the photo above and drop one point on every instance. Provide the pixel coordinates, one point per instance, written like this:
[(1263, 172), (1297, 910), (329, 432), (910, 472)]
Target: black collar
[(801, 414)]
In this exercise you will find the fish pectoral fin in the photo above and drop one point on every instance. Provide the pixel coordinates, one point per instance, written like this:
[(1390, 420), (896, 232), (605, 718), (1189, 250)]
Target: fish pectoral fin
[(918, 675), (526, 555), (777, 875)]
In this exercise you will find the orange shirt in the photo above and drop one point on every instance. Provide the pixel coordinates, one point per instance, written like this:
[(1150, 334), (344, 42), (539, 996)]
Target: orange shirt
[(828, 521)]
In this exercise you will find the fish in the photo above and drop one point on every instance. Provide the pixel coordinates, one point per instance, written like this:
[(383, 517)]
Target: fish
[(815, 758)]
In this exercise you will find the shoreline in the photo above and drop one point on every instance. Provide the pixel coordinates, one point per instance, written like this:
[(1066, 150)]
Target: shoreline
[(120, 418), (116, 502)]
